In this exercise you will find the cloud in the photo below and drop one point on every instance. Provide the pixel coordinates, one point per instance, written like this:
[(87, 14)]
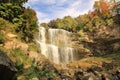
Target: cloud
[(51, 9), (42, 17)]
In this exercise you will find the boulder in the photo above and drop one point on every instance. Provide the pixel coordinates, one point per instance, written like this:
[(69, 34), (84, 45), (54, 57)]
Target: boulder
[(108, 65), (94, 68), (10, 35), (78, 75), (7, 68)]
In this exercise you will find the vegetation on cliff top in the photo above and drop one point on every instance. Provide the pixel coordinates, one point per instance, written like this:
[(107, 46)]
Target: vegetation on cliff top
[(104, 14)]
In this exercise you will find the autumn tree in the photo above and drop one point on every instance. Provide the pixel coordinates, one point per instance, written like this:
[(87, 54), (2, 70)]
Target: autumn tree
[(97, 7), (104, 6), (101, 6)]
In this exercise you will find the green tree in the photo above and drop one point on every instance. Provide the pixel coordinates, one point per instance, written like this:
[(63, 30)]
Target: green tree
[(9, 11), (19, 2), (70, 23), (52, 24), (27, 25), (25, 20), (67, 23), (60, 24)]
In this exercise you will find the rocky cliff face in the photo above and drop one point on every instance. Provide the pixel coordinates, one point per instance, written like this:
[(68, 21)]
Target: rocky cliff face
[(103, 41), (103, 46), (7, 67), (102, 60)]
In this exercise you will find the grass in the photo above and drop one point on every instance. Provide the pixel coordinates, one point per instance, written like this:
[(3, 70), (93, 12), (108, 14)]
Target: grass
[(114, 57), (98, 61), (33, 47), (107, 58)]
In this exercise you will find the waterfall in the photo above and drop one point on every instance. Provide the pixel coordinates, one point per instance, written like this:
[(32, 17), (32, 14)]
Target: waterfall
[(55, 44)]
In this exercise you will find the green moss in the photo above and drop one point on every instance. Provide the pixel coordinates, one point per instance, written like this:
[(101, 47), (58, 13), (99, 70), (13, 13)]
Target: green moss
[(107, 58), (19, 57), (98, 59), (114, 57)]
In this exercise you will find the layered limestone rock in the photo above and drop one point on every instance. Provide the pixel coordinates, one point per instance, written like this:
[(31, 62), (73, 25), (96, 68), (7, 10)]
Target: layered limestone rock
[(103, 46)]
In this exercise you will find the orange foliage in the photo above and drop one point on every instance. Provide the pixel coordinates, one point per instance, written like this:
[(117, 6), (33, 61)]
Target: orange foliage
[(91, 14), (104, 6), (101, 6)]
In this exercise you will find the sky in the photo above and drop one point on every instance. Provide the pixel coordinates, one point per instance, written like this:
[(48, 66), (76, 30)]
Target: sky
[(52, 9)]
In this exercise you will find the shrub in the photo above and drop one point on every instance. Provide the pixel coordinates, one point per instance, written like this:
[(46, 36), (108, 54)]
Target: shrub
[(35, 72), (19, 57), (2, 37)]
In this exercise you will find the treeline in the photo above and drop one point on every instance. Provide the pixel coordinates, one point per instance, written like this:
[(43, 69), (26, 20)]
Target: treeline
[(104, 14), (24, 20)]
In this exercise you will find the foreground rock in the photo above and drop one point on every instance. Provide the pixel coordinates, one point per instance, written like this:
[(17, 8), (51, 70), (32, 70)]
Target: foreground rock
[(92, 73), (7, 68)]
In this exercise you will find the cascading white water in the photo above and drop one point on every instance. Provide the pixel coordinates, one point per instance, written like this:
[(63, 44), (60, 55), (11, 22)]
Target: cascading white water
[(55, 44)]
